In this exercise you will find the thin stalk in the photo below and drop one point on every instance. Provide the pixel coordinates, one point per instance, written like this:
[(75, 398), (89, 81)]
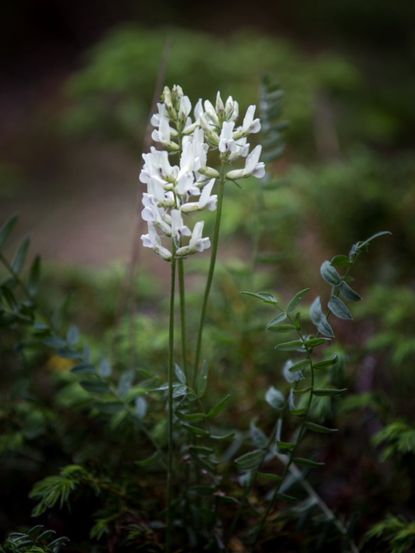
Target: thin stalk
[(180, 264), (215, 242), (170, 376)]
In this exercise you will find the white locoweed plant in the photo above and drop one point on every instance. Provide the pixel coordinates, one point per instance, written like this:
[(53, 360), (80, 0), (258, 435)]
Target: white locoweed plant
[(180, 179), (231, 488)]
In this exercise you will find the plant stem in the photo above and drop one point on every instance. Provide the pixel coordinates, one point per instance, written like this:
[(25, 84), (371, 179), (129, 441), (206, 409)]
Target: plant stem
[(169, 499), (180, 264), (215, 242)]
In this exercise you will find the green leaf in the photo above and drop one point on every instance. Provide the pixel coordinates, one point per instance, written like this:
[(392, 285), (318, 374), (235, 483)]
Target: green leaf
[(303, 461), (72, 336), (181, 377), (110, 407), (258, 437), (292, 345), (319, 319), (226, 436), (328, 391), (141, 407), (282, 328), (149, 461), (269, 477), (55, 342), (339, 308), (340, 261), (296, 300), (202, 450), (277, 320), (325, 363), (34, 276), (192, 417), (299, 365), (6, 229), (325, 328), (195, 430), (84, 368), (262, 296), (329, 273), (9, 297), (274, 398), (314, 427), (365, 243), (218, 407), (348, 293), (316, 313), (286, 446), (314, 342), (95, 386), (250, 460), (298, 412), (20, 257)]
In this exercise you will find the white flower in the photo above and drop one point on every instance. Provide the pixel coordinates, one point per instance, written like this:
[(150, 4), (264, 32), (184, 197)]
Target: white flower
[(152, 240), (185, 185), (178, 228), (253, 167), (226, 140), (164, 131), (240, 148), (155, 215), (210, 113), (185, 107), (231, 109), (198, 109), (206, 200), (219, 105), (250, 125), (196, 243)]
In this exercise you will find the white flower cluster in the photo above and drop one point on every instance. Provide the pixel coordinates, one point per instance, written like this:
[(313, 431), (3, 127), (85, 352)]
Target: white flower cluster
[(174, 190)]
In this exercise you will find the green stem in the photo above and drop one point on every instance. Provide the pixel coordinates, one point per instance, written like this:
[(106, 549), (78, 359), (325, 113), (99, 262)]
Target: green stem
[(215, 242), (183, 315), (169, 499)]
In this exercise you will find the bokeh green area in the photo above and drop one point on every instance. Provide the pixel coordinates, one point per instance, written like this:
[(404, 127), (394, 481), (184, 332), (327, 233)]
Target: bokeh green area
[(347, 171)]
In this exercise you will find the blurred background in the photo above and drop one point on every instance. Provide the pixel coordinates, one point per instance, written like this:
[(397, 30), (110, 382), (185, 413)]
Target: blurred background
[(77, 84)]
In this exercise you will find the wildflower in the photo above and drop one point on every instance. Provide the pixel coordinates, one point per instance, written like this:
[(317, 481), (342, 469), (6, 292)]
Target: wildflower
[(206, 200), (177, 188), (196, 243), (152, 240), (253, 167)]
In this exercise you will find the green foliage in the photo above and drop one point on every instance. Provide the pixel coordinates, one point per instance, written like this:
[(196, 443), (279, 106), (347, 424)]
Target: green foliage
[(36, 540), (394, 533), (397, 439), (56, 490), (121, 71)]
